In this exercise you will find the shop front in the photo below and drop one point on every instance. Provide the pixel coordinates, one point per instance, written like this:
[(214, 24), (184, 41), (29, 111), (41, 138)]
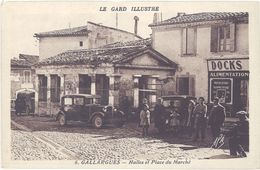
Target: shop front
[(228, 79)]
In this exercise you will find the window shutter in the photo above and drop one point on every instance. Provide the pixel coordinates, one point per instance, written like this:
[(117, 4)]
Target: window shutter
[(214, 39), (192, 86), (184, 42), (177, 84), (232, 37)]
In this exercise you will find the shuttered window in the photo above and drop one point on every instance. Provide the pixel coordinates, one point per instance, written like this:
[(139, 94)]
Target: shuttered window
[(189, 36), (186, 85), (27, 77), (223, 38)]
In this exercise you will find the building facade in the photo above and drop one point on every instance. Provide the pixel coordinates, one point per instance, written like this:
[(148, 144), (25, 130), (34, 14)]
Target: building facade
[(125, 69), (22, 75), (212, 51), (89, 36)]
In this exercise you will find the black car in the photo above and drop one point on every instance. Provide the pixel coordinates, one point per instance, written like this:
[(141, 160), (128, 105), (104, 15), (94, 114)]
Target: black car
[(86, 108), (178, 102)]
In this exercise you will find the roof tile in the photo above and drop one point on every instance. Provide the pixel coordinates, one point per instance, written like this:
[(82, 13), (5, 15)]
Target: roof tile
[(205, 16), (111, 53)]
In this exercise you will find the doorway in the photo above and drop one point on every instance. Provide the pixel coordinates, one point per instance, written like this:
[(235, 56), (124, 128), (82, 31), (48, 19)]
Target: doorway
[(240, 95)]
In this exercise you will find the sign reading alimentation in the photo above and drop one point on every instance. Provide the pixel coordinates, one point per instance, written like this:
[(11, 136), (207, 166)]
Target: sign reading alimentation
[(221, 88), (234, 65)]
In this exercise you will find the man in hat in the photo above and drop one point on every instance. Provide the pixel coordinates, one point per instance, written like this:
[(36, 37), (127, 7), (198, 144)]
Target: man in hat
[(216, 118), (200, 112), (159, 114), (239, 135)]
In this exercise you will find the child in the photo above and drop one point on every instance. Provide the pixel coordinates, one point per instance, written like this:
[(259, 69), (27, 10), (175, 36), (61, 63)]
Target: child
[(145, 120), (175, 119)]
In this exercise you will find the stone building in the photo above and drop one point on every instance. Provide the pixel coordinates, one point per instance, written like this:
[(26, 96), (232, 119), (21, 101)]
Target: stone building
[(89, 36), (212, 52), (22, 75), (131, 69)]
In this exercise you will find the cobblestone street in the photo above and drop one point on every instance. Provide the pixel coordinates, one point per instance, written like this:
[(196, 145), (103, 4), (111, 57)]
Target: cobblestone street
[(49, 141)]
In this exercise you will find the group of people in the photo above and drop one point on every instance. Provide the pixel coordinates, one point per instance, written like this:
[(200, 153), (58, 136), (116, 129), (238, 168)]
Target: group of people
[(200, 118), (196, 120)]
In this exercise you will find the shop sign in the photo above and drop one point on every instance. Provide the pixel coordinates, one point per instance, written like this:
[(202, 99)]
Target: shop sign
[(229, 74), (221, 88), (228, 64)]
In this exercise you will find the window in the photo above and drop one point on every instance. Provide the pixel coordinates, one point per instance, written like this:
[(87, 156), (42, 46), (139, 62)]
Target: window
[(183, 85), (27, 76), (189, 41), (67, 101), (89, 101), (81, 43), (186, 85), (223, 38), (84, 84), (79, 101)]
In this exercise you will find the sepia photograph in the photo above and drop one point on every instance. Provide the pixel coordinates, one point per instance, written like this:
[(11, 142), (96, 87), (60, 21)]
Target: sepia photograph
[(107, 84)]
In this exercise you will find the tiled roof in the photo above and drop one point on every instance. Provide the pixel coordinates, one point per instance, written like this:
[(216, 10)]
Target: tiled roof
[(91, 57), (141, 42), (24, 61), (111, 53), (32, 59), (205, 16), (21, 63), (82, 30), (76, 31)]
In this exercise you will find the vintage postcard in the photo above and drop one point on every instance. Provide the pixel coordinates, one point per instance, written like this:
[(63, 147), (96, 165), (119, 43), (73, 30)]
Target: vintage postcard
[(120, 84)]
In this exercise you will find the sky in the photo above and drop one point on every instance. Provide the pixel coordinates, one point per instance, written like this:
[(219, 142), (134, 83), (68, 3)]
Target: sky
[(23, 20)]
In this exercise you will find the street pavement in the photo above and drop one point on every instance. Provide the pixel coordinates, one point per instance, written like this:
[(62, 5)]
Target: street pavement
[(41, 138)]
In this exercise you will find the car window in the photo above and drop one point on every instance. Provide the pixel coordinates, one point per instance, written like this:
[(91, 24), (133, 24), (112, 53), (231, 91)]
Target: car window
[(88, 101), (67, 101), (176, 103), (79, 101), (97, 100)]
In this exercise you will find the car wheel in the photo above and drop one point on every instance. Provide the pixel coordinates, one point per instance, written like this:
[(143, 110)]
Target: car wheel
[(62, 120), (97, 121)]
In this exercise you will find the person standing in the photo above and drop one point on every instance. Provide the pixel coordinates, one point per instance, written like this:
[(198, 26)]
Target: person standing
[(239, 135), (190, 120), (145, 120), (125, 106), (200, 113), (216, 118), (159, 112)]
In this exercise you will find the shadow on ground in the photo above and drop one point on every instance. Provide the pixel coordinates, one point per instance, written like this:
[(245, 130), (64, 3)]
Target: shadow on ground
[(37, 123)]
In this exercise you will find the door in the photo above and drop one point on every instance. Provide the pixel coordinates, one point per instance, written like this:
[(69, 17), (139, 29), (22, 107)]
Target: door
[(240, 94), (85, 114), (78, 108)]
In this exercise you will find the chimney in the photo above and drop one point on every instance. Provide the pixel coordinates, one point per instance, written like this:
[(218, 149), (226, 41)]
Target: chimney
[(136, 24), (157, 18), (179, 14)]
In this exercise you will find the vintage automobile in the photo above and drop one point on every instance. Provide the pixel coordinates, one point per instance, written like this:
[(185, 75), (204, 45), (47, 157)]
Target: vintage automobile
[(178, 102), (86, 108)]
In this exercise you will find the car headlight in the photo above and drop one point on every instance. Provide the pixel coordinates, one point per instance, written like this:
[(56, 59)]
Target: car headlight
[(105, 109), (66, 109)]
